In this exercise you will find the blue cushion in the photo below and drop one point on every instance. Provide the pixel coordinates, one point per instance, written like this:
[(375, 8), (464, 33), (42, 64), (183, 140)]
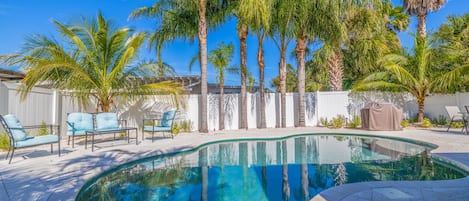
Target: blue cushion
[(107, 121), (167, 119), (15, 126), (156, 128), (81, 122), (32, 141)]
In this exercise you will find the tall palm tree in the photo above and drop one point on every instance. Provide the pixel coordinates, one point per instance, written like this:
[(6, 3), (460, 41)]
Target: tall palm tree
[(257, 14), (312, 21), (281, 32), (420, 8), (243, 31), (364, 31), (94, 60), (190, 19), (453, 44), (220, 59), (411, 73)]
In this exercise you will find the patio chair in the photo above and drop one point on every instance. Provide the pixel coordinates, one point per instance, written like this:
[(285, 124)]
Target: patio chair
[(456, 116), (19, 139), (166, 124), (77, 125), (108, 123)]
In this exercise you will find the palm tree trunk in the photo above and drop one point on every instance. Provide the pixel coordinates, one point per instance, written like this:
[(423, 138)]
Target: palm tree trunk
[(300, 56), (203, 163), (283, 87), (422, 25), (336, 70), (421, 104), (160, 70), (242, 35), (260, 63), (221, 123), (203, 65)]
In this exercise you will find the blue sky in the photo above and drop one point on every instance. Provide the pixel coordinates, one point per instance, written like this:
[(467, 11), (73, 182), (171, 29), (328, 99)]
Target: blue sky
[(22, 18)]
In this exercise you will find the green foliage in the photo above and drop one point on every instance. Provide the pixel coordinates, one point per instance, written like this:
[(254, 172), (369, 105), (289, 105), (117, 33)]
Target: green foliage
[(186, 126), (405, 123), (43, 129), (440, 120), (324, 122), (338, 122), (426, 123), (92, 59), (4, 141), (457, 125), (356, 122), (176, 129), (411, 72)]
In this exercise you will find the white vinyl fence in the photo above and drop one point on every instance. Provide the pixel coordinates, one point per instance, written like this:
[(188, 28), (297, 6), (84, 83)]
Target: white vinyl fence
[(52, 107)]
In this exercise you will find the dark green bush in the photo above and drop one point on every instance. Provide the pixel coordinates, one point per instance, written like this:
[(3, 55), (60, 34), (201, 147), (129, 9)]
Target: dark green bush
[(440, 120)]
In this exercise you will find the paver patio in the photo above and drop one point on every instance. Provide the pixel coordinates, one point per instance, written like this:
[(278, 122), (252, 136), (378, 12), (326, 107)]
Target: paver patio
[(44, 176)]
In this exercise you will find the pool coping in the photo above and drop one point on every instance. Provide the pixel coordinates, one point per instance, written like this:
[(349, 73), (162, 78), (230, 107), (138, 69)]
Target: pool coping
[(80, 165)]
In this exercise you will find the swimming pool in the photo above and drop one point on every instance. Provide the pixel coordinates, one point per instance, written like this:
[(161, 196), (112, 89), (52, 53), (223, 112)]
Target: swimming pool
[(294, 168)]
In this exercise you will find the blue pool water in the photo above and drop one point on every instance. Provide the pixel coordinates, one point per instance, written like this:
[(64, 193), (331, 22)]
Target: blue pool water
[(295, 168)]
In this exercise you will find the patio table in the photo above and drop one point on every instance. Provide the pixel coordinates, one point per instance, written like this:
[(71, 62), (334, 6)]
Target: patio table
[(109, 131)]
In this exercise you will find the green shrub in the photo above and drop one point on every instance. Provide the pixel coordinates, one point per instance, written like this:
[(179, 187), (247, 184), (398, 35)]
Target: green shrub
[(186, 126), (4, 141), (43, 129), (356, 122), (405, 123), (338, 122), (457, 125), (176, 129), (426, 123), (324, 122), (440, 120)]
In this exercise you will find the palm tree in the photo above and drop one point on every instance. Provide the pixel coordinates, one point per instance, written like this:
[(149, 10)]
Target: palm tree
[(411, 73), (179, 20), (243, 31), (93, 61), (420, 8), (312, 21), (364, 31), (257, 14), (452, 44), (220, 58), (281, 32)]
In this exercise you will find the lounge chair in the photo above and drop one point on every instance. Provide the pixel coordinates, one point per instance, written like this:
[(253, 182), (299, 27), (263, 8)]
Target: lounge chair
[(166, 124), (108, 123), (19, 139), (77, 125), (456, 116)]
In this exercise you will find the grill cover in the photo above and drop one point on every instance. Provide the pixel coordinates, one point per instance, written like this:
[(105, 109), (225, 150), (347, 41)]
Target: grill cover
[(381, 117)]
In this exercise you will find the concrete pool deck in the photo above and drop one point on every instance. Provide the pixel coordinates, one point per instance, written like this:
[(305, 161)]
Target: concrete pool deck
[(35, 174)]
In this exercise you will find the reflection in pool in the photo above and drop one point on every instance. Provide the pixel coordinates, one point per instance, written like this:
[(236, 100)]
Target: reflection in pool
[(296, 168)]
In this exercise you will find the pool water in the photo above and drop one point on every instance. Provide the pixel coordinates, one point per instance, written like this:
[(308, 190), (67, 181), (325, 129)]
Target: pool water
[(295, 168)]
